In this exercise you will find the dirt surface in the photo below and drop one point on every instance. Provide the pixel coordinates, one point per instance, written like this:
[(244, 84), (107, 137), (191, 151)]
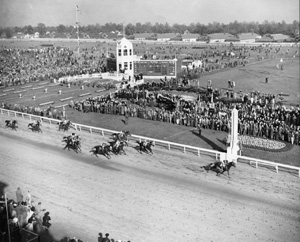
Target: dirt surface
[(138, 197)]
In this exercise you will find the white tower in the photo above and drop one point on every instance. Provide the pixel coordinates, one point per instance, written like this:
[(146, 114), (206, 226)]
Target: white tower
[(232, 150), (125, 56)]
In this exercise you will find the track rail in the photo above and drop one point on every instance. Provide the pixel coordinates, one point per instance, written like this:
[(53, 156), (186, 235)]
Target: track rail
[(167, 144)]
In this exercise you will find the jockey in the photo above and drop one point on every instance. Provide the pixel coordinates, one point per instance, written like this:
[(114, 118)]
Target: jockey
[(117, 144), (103, 146), (73, 138), (220, 164), (122, 134), (145, 143)]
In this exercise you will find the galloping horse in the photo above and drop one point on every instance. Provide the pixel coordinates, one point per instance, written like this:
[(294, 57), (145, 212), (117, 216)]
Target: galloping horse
[(117, 147), (72, 143), (146, 146), (102, 149), (220, 167), (122, 136), (64, 125), (35, 126), (11, 124)]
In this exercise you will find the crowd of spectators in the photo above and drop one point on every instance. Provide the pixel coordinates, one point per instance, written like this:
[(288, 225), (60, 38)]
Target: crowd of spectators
[(259, 115), (23, 213), (19, 66)]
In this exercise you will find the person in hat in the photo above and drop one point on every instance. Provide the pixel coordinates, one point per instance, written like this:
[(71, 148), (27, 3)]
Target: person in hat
[(73, 138), (19, 195), (100, 237), (106, 239), (46, 220)]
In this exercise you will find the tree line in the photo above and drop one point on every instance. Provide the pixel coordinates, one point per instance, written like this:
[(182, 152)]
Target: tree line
[(234, 28)]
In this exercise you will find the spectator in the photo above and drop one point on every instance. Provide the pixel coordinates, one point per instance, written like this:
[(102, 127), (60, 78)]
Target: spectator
[(19, 195), (28, 199), (46, 220)]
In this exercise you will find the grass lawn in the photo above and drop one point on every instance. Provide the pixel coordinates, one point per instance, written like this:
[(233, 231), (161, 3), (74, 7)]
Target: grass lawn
[(209, 139)]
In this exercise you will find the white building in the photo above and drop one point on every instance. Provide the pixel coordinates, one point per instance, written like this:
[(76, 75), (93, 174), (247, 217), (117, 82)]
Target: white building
[(125, 57), (190, 37), (248, 37)]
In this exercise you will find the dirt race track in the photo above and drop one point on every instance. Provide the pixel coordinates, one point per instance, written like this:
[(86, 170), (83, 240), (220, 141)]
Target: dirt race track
[(146, 198)]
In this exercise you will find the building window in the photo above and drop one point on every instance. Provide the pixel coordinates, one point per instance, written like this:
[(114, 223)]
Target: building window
[(125, 65), (119, 52), (125, 52), (120, 66), (130, 52), (130, 66)]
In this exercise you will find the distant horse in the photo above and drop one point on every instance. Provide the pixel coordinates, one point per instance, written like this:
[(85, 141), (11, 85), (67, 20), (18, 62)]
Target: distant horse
[(220, 167), (103, 149), (122, 136), (35, 127), (64, 125), (11, 124), (146, 146)]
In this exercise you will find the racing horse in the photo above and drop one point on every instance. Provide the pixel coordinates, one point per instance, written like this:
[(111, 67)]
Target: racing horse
[(122, 136), (117, 147), (35, 127), (103, 149), (64, 125), (220, 167), (11, 124), (145, 146), (71, 143)]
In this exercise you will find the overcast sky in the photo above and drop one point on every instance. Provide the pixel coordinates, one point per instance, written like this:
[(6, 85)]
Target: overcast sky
[(55, 12)]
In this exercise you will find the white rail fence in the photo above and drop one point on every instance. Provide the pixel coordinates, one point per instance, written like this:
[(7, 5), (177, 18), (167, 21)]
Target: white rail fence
[(167, 144)]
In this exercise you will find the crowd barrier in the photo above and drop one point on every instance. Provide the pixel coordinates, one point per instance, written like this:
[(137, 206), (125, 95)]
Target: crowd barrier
[(167, 144), (78, 77)]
